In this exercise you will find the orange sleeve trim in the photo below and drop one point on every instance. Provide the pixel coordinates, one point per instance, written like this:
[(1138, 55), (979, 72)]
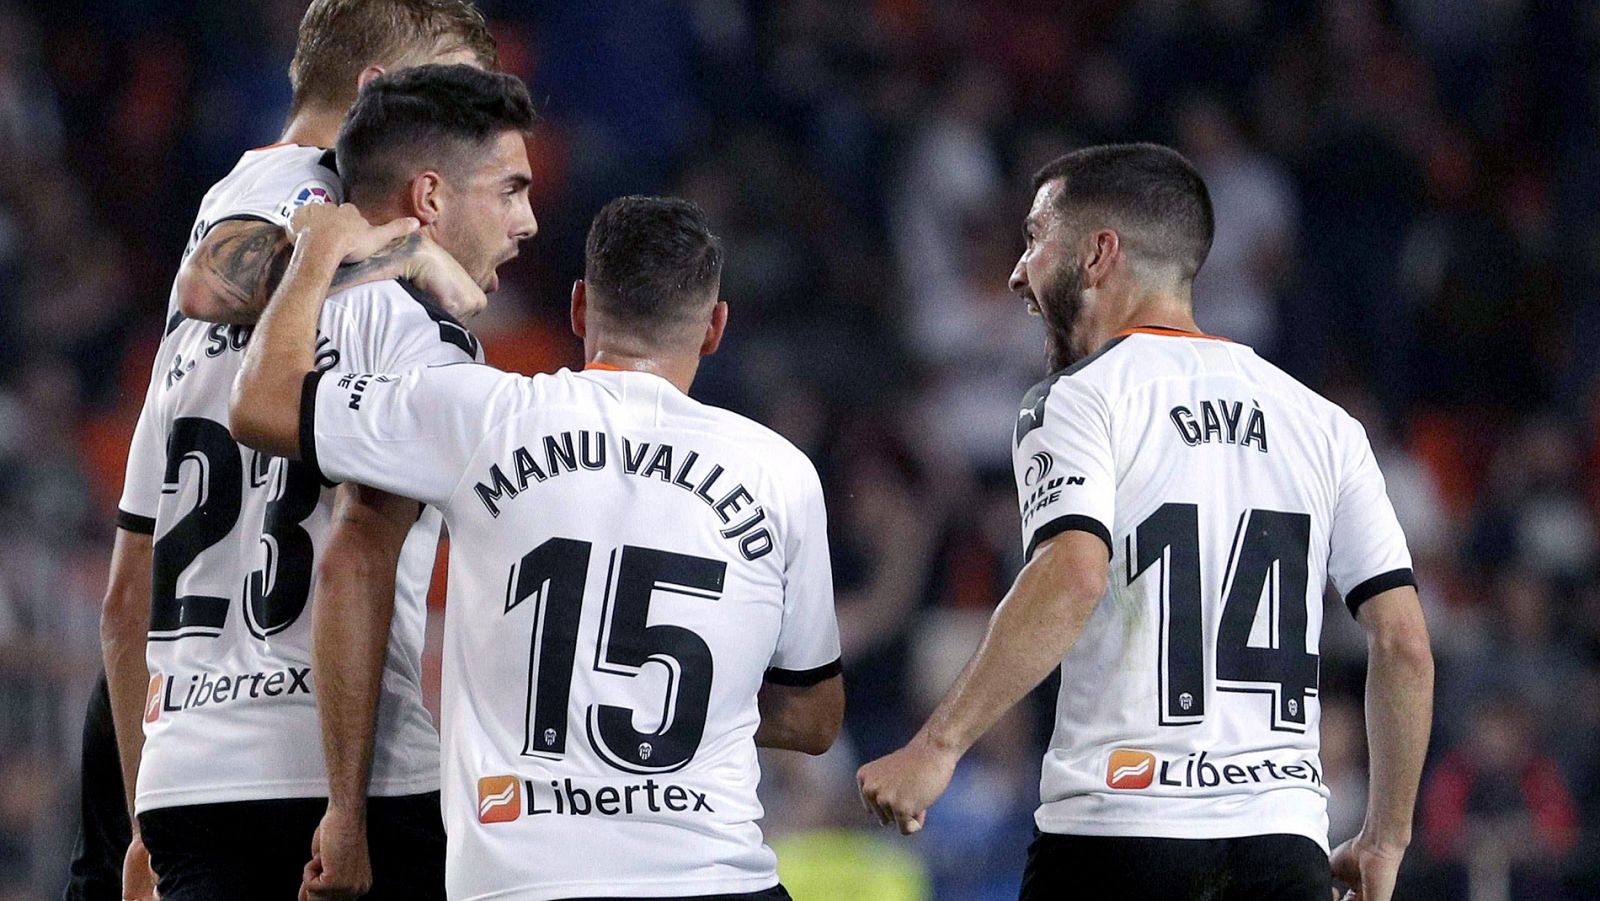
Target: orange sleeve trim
[(1170, 332)]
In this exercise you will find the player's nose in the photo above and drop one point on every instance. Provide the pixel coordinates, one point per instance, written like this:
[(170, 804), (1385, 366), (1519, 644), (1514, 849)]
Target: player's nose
[(527, 226), (1018, 282)]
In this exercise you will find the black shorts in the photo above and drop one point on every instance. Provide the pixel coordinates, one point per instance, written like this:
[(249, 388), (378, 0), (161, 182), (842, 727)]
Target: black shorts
[(776, 893), (1254, 868), (104, 830), (250, 850)]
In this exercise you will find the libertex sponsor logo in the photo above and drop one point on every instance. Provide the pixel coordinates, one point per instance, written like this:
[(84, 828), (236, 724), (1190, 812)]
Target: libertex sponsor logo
[(1128, 769), (502, 799), (152, 699), (168, 695), (499, 799)]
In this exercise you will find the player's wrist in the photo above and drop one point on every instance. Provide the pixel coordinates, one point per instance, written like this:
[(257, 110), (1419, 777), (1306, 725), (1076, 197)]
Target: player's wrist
[(940, 743), (346, 814), (1384, 842)]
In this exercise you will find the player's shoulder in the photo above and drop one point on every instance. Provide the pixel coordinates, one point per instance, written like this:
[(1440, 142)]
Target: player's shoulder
[(763, 443), (285, 161), (1092, 377), (287, 176), (395, 308), (736, 435), (1309, 404)]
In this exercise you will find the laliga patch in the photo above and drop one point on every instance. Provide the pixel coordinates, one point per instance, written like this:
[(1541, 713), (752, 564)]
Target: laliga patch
[(307, 194)]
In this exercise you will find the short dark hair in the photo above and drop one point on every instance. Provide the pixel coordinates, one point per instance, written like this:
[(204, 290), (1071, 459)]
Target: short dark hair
[(425, 117), (652, 261), (1148, 189), (340, 38)]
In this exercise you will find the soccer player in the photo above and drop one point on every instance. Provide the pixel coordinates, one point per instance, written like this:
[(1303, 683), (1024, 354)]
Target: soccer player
[(236, 251), (640, 592), (1183, 504)]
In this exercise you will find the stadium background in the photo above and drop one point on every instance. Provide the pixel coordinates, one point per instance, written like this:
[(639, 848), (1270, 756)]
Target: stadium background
[(1406, 219)]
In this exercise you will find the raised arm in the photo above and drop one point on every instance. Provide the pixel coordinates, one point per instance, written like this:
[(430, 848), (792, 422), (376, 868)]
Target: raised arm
[(1035, 625), (124, 623), (265, 409), (354, 605), (1399, 718), (236, 267)]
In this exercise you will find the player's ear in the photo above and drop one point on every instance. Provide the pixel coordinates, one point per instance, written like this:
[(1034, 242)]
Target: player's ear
[(425, 197), (367, 75), (580, 309), (1104, 250), (715, 328)]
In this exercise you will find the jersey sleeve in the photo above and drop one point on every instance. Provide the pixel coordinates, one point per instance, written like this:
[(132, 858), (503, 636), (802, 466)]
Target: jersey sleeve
[(808, 638), (277, 184), (1367, 552), (141, 482), (1063, 463), (409, 434)]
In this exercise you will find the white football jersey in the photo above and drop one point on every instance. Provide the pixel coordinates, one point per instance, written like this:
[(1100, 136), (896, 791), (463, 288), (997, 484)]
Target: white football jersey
[(231, 712), (629, 566), (1227, 494), (267, 184)]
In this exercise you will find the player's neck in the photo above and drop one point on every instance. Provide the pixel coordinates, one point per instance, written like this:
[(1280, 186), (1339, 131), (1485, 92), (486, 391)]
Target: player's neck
[(1160, 310), (313, 126), (679, 371)]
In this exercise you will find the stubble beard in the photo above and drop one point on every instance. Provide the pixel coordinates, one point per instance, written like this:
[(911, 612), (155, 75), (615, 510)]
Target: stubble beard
[(1060, 306)]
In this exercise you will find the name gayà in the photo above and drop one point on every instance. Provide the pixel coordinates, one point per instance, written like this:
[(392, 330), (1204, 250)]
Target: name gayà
[(1221, 422)]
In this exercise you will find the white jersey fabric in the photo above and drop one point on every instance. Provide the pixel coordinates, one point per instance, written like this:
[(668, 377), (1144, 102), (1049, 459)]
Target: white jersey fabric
[(629, 566), (1228, 494), (231, 711), (267, 184)]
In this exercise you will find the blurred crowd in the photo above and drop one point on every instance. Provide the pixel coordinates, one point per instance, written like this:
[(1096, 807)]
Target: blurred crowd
[(1405, 220)]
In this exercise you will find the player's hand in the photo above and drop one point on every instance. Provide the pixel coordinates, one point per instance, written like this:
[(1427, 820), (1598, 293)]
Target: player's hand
[(138, 879), (901, 787), (1369, 869), (342, 230), (435, 271), (340, 869)]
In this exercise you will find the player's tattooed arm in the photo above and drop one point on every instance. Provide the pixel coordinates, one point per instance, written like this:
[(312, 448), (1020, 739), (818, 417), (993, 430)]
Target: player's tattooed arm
[(233, 272), (265, 408)]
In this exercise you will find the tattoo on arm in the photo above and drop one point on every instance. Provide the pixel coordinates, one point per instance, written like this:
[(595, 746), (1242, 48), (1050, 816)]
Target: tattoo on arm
[(366, 270), (247, 263)]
